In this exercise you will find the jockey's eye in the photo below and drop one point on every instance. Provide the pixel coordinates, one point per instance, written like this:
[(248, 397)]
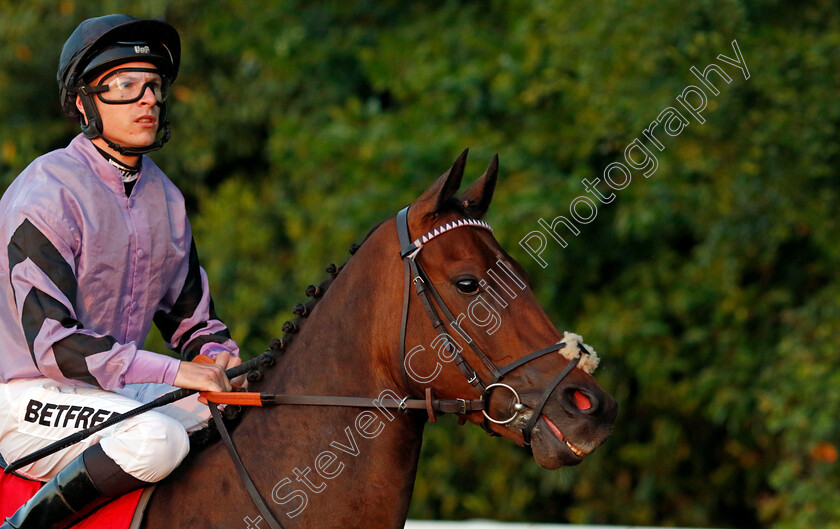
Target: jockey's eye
[(467, 285)]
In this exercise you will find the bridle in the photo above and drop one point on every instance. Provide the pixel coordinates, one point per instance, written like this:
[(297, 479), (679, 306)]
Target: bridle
[(426, 291)]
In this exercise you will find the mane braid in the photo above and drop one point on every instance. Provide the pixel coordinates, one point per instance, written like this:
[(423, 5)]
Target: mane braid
[(290, 328), (204, 437)]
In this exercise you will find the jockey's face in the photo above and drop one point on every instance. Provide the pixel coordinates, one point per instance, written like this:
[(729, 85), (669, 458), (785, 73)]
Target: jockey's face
[(132, 124)]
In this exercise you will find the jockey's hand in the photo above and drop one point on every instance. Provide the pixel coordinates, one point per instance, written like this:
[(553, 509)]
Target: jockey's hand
[(205, 377)]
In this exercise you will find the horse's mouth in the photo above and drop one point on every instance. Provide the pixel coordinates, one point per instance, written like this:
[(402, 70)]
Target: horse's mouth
[(556, 431)]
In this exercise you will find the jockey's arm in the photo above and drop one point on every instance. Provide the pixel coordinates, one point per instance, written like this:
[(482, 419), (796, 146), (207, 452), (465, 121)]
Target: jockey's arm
[(187, 319)]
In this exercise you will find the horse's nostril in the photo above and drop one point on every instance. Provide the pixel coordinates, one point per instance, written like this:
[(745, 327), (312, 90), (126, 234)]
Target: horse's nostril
[(581, 401)]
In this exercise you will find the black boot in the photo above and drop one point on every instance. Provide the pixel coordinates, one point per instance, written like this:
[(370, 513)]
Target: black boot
[(87, 482)]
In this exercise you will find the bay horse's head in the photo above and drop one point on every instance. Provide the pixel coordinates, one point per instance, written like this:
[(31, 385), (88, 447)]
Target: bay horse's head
[(472, 329)]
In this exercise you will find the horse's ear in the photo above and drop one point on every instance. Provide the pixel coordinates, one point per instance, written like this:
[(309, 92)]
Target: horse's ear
[(441, 192), (477, 198)]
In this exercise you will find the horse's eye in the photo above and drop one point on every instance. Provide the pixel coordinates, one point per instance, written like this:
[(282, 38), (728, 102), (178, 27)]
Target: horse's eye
[(467, 285)]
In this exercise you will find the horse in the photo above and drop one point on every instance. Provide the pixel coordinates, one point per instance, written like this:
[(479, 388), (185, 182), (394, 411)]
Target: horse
[(361, 336)]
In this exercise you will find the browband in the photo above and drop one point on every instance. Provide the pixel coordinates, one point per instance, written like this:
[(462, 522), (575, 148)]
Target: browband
[(414, 248)]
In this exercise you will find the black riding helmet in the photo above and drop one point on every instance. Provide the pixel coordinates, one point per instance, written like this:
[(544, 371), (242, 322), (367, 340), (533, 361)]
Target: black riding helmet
[(103, 42)]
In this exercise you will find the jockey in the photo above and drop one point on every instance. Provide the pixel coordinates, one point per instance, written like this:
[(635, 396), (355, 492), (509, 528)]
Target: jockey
[(97, 247)]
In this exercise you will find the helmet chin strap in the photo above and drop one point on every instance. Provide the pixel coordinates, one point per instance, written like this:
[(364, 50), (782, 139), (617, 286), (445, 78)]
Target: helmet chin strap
[(91, 124), (137, 151)]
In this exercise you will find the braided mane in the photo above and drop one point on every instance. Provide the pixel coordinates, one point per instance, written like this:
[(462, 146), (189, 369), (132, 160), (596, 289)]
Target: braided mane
[(302, 311)]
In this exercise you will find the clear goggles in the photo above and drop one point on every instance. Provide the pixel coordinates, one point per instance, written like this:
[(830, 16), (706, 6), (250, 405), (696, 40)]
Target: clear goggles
[(127, 85)]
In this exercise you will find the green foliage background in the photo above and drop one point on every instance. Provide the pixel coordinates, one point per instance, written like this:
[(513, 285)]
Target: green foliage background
[(709, 288)]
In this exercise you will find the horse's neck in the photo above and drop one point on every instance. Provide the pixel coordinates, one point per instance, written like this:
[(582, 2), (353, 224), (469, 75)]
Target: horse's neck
[(316, 466), (350, 465), (349, 343)]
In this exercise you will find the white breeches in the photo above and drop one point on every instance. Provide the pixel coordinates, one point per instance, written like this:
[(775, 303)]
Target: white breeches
[(34, 413)]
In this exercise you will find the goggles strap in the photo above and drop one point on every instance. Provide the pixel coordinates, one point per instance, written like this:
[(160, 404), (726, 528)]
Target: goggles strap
[(138, 151)]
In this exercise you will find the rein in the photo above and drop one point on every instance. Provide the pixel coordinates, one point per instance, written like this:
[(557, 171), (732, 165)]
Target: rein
[(430, 404)]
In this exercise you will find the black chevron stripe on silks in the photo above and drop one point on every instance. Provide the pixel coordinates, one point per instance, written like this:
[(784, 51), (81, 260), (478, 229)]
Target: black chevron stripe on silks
[(28, 242), (184, 307)]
